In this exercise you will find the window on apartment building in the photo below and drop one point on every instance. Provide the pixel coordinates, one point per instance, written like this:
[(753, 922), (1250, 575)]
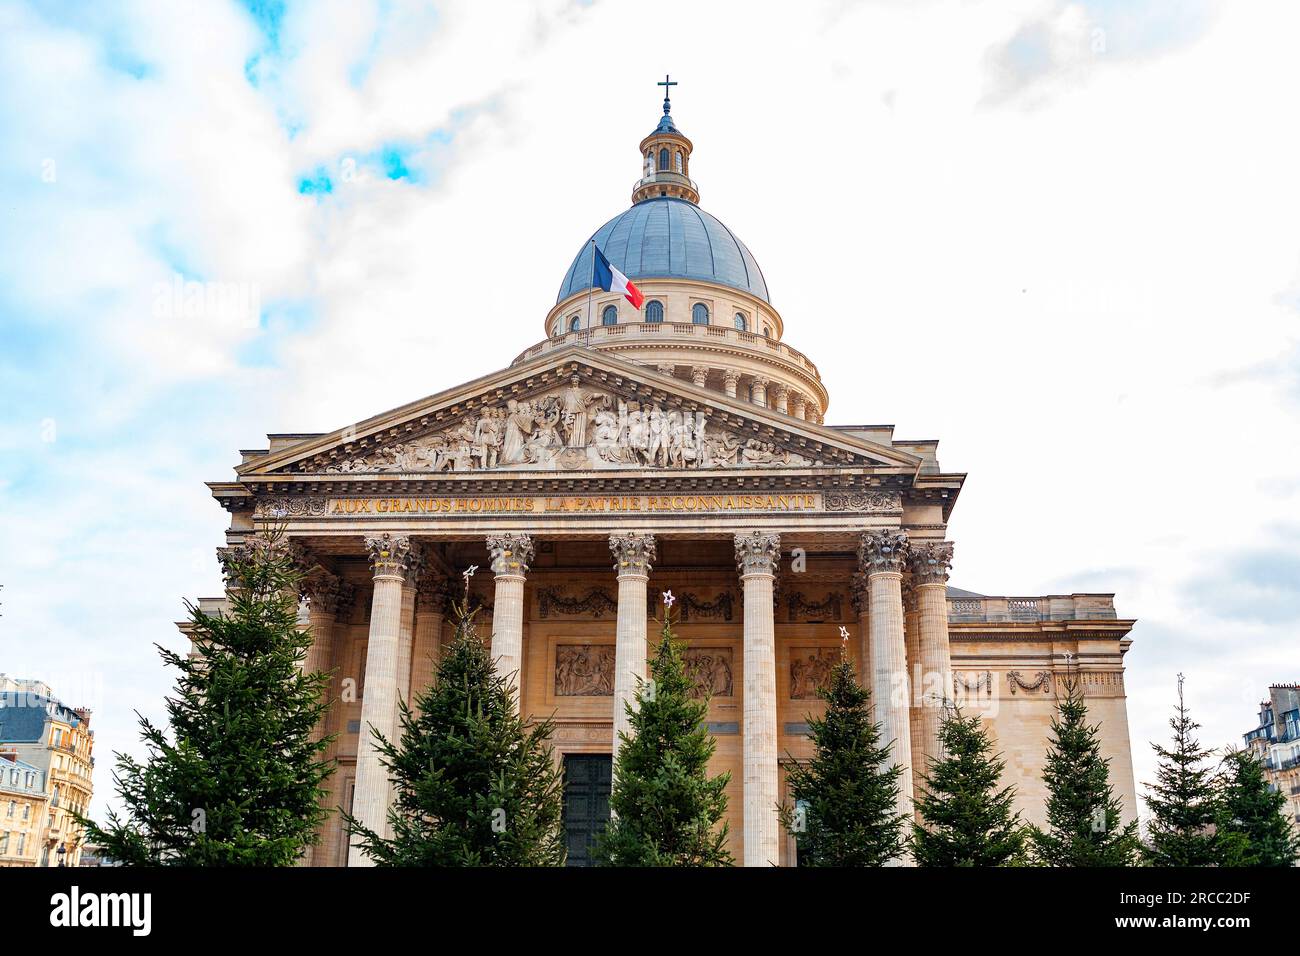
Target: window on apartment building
[(13, 805), (4, 842), (27, 811), (22, 843)]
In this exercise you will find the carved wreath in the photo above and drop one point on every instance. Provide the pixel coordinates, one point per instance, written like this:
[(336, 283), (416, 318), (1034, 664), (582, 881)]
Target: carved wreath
[(595, 602), (983, 682), (829, 609), (1044, 682)]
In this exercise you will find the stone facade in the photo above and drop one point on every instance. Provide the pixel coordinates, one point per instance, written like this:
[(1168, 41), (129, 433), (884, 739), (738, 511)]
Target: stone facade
[(611, 463)]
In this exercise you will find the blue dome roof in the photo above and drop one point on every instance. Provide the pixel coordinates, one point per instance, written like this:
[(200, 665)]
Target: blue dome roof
[(666, 238)]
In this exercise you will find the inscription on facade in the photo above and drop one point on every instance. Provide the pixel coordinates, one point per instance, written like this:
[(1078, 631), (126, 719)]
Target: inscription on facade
[(584, 504)]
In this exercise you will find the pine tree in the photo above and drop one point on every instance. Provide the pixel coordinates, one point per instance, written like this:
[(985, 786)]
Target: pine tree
[(1182, 801), (1083, 813), (238, 780), (474, 785), (965, 821), (667, 810), (1251, 825), (846, 796)]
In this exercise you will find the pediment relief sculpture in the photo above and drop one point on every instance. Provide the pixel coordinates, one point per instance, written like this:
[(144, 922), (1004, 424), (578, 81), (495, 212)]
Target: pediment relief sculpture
[(570, 429)]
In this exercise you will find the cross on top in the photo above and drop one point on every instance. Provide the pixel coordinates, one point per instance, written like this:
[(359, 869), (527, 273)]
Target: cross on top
[(666, 83)]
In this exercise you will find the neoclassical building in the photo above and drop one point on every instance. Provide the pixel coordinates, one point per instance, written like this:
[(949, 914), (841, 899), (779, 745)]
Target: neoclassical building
[(681, 446)]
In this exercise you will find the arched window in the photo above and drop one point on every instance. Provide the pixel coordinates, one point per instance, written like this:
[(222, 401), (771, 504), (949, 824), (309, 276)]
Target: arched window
[(574, 323), (609, 316), (663, 159), (700, 314), (654, 311), (679, 160), (741, 322), (767, 330)]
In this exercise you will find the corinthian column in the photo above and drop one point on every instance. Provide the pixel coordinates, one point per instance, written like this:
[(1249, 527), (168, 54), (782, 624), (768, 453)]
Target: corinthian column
[(931, 562), (782, 395), (510, 554), (760, 384), (390, 557), (730, 380), (757, 557), (862, 606), (406, 634), (633, 554), (881, 556), (322, 591), (430, 608)]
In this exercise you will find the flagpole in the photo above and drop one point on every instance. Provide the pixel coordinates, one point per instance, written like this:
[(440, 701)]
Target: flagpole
[(591, 287)]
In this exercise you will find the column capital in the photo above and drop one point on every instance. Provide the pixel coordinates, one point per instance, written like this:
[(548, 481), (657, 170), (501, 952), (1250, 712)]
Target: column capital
[(731, 377), (700, 374), (433, 591), (322, 589), (931, 561), (758, 552), (883, 550), (762, 381), (252, 548), (391, 555), (633, 552), (666, 368), (510, 553)]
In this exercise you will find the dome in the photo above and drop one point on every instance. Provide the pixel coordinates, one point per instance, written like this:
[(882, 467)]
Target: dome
[(667, 238)]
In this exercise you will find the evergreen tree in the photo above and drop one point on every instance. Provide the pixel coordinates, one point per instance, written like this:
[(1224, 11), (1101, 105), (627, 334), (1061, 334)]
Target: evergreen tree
[(846, 797), (1251, 825), (666, 809), (238, 781), (1182, 801), (474, 785), (965, 820), (1083, 813)]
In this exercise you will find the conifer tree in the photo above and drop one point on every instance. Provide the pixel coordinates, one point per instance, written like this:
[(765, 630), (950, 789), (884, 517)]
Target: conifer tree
[(846, 796), (1083, 813), (236, 779), (474, 785), (1182, 801), (965, 819), (666, 809), (1251, 827)]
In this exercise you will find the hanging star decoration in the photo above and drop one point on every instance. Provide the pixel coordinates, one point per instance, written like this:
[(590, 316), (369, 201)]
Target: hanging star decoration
[(669, 599), (844, 633)]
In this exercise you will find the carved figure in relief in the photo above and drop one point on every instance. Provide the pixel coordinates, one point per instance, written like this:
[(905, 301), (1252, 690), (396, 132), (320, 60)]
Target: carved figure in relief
[(572, 428)]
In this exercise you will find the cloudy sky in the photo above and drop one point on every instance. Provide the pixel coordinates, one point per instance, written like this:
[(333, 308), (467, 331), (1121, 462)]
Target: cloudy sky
[(1059, 237)]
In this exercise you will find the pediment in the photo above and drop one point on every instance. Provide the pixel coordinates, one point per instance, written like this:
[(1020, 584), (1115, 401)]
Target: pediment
[(575, 410)]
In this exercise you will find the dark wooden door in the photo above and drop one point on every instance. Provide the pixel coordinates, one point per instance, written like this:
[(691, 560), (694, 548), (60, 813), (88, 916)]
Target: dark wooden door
[(586, 803)]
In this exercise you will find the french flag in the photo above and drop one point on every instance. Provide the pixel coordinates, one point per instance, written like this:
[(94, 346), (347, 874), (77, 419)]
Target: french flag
[(610, 279)]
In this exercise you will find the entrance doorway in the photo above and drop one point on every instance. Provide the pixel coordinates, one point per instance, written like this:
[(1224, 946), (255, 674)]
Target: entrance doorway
[(587, 780)]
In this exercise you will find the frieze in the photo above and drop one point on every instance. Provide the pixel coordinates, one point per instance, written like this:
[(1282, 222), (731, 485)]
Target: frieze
[(568, 429), (291, 506), (865, 502)]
